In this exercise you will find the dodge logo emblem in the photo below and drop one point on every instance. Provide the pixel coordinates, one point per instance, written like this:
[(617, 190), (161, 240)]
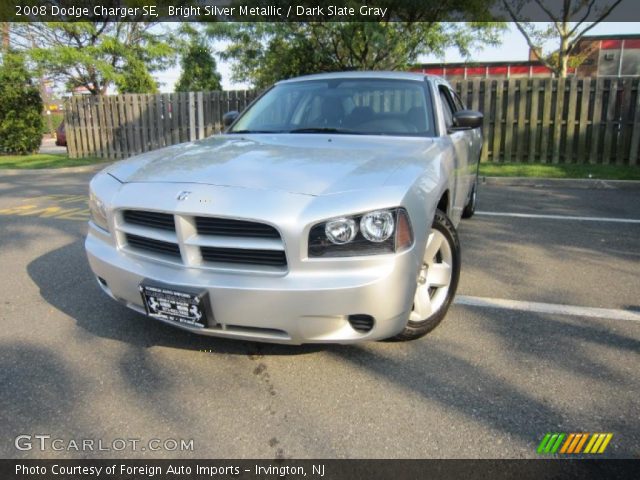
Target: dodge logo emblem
[(183, 195)]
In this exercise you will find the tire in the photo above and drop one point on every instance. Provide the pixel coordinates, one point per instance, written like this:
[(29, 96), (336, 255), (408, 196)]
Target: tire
[(470, 207), (435, 292)]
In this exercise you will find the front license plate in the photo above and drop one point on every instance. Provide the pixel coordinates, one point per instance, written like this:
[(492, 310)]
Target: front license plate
[(184, 307)]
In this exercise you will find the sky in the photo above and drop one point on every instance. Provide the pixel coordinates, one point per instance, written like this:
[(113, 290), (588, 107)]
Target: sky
[(513, 47)]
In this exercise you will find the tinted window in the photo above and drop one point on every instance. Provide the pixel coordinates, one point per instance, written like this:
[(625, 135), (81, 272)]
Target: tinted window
[(456, 100), (446, 107), (361, 106)]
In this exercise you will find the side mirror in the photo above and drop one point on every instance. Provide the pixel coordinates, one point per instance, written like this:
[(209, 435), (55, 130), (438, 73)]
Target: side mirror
[(230, 117), (467, 119)]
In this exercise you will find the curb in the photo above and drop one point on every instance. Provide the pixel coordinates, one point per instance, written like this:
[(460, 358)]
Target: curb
[(50, 171), (586, 183)]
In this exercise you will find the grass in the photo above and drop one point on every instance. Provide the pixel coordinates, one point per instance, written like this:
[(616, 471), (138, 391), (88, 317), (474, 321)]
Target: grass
[(45, 160), (539, 170)]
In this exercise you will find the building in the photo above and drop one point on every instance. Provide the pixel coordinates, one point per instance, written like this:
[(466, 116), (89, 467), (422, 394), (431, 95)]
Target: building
[(609, 56), (604, 56)]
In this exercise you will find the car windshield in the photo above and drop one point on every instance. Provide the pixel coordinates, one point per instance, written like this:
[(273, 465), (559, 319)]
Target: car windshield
[(342, 106)]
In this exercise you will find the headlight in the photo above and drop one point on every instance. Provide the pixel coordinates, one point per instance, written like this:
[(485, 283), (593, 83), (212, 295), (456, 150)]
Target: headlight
[(98, 212), (381, 231), (341, 231), (377, 226)]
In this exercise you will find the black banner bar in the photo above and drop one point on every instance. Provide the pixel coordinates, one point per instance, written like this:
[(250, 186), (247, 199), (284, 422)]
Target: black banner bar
[(304, 10), (317, 469)]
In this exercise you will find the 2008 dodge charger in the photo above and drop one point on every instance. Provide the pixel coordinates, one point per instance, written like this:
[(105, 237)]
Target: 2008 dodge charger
[(326, 212)]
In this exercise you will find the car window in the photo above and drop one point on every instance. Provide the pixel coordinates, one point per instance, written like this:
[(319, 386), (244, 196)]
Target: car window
[(456, 100), (363, 106), (446, 107)]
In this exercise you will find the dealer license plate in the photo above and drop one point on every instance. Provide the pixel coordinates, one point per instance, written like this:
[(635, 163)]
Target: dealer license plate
[(180, 306)]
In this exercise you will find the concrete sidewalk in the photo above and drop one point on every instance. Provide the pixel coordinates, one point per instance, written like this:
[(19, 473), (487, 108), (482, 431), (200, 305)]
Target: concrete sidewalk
[(591, 183), (49, 146)]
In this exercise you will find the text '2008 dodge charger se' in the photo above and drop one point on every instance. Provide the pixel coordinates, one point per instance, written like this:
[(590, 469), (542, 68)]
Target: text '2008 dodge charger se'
[(326, 212)]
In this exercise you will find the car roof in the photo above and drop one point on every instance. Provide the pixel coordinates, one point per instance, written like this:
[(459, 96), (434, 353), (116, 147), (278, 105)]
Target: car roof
[(418, 77)]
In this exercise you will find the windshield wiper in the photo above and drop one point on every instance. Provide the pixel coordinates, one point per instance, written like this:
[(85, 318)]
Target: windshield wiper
[(323, 130)]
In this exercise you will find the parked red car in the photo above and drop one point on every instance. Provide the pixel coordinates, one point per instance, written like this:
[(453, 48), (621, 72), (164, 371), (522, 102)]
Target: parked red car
[(61, 136)]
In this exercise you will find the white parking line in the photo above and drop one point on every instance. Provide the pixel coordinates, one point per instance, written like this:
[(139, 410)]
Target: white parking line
[(553, 308), (559, 217)]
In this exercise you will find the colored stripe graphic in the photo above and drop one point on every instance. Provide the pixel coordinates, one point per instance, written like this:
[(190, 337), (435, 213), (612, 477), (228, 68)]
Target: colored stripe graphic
[(573, 443), (567, 443), (551, 442), (543, 443), (582, 440), (555, 447)]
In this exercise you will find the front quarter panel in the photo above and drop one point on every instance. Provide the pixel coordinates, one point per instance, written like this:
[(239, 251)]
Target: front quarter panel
[(429, 176)]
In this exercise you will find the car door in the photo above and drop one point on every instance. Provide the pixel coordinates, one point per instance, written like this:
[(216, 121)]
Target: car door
[(462, 143), (474, 138)]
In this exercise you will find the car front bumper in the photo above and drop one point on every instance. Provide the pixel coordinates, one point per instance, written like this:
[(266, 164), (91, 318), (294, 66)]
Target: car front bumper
[(309, 306)]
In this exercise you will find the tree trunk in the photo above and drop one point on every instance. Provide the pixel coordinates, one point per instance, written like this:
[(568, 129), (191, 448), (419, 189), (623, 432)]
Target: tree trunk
[(564, 65), (564, 57), (5, 37)]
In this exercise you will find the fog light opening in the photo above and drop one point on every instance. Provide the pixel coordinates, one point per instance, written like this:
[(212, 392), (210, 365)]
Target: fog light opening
[(361, 322), (102, 282)]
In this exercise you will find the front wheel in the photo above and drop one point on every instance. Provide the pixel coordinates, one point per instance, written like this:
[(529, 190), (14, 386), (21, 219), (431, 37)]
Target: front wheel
[(437, 280)]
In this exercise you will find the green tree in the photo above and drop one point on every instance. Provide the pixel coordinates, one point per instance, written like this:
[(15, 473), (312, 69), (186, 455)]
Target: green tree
[(136, 79), (97, 55), (262, 53), (563, 29), (198, 69), (20, 107)]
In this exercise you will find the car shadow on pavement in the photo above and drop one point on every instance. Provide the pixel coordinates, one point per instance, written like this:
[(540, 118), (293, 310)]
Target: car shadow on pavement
[(66, 282), (502, 385), (520, 376), (36, 386)]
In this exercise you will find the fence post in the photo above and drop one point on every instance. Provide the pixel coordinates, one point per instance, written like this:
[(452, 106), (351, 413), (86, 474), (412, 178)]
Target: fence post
[(571, 121), (215, 115), (521, 123), (497, 123), (192, 117), (624, 119), (508, 132), (533, 119), (558, 119), (596, 121), (610, 121), (583, 123), (486, 122), (546, 120), (200, 122), (70, 125)]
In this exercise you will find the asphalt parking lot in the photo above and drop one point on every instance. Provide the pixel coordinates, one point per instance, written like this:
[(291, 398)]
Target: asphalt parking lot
[(544, 337)]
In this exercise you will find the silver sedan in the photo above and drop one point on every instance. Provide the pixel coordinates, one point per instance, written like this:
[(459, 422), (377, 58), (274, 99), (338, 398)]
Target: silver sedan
[(326, 212)]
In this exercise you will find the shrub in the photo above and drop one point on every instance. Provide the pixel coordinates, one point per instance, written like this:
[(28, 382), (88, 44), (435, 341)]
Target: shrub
[(20, 108)]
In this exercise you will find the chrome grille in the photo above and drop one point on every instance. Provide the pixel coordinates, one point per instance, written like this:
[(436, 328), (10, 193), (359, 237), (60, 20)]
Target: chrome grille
[(153, 246), (201, 241), (144, 218), (234, 228), (274, 258)]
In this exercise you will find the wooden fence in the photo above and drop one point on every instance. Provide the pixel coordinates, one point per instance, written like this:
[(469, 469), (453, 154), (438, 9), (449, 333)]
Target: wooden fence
[(584, 120), (526, 120), (118, 126)]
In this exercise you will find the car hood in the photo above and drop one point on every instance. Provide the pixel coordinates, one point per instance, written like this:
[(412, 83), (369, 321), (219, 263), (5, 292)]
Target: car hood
[(310, 164)]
